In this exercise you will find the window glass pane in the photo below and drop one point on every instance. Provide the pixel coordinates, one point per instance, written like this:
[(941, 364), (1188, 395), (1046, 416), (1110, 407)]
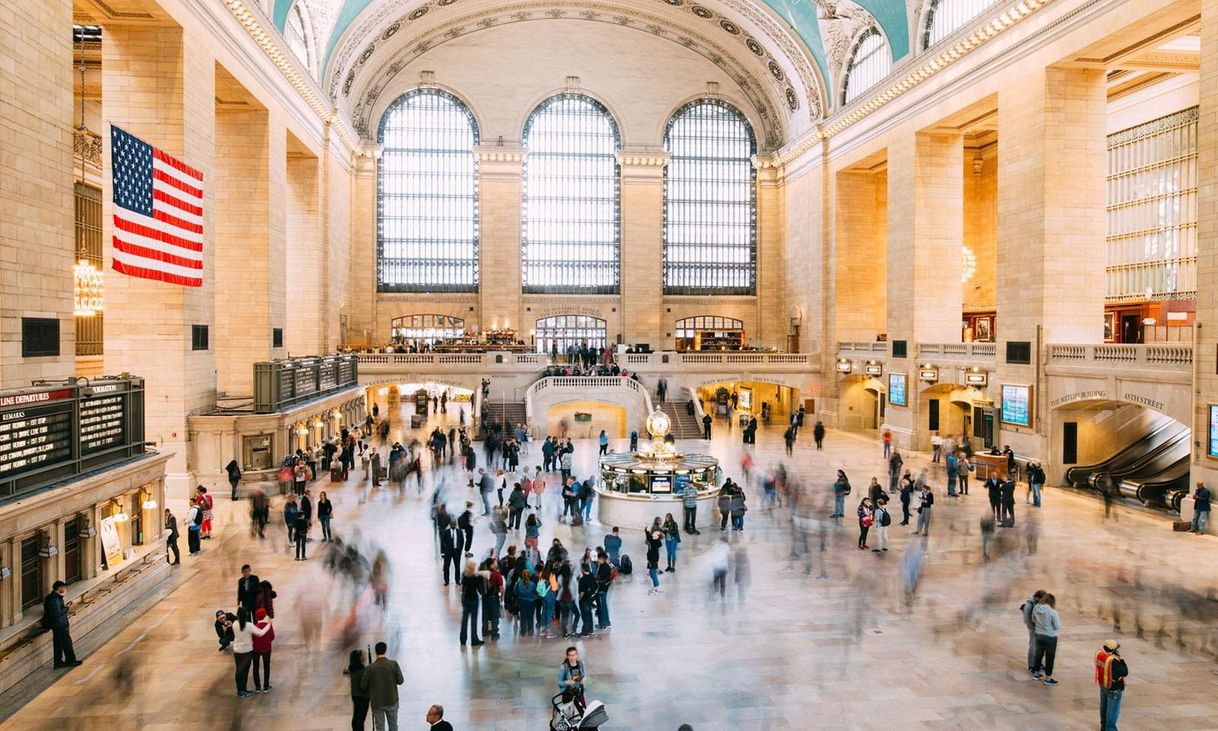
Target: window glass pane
[(710, 212), (557, 334), (1152, 209), (869, 63), (571, 216), (427, 196), (945, 16)]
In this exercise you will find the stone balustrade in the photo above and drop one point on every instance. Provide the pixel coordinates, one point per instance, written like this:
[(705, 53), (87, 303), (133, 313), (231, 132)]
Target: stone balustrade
[(958, 351), (1160, 356)]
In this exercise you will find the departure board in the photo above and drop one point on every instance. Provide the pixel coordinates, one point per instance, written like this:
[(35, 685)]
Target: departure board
[(102, 423), (51, 434), (34, 437)]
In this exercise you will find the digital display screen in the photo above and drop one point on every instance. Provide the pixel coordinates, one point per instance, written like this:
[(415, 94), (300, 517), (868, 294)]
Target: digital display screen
[(896, 390), (1017, 405), (34, 437), (661, 483), (1213, 448)]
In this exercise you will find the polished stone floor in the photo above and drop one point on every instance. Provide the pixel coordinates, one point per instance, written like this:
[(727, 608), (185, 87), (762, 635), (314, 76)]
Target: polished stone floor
[(831, 639)]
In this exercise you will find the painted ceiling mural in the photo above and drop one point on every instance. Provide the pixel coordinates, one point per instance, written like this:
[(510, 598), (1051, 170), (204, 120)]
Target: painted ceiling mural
[(788, 57)]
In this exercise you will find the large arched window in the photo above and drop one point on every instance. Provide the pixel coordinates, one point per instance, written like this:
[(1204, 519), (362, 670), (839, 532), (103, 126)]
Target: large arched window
[(427, 196), (556, 334), (426, 329), (571, 218), (297, 37), (943, 17), (869, 62), (710, 211)]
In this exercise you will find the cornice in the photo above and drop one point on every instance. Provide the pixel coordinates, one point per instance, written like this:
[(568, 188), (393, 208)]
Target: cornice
[(643, 158), (918, 69), (497, 153)]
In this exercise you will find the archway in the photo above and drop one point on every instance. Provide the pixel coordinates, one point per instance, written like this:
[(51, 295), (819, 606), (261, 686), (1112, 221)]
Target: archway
[(863, 400), (557, 333)]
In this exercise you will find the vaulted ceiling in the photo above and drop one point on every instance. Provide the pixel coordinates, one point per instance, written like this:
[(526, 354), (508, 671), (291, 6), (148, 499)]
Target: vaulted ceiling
[(784, 55)]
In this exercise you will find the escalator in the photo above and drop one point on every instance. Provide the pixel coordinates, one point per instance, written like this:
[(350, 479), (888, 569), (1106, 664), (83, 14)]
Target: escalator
[(1165, 488), (1154, 470), (1166, 437)]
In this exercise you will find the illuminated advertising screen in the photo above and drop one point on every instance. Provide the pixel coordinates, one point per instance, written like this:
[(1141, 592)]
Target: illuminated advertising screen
[(1017, 405), (896, 390)]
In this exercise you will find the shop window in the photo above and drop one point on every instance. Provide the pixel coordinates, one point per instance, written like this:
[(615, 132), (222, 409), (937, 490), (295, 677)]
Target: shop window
[(426, 329), (31, 573), (427, 195), (710, 333), (571, 216), (556, 334)]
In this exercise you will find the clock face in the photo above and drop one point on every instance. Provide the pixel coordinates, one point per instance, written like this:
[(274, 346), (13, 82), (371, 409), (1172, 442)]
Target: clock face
[(657, 424)]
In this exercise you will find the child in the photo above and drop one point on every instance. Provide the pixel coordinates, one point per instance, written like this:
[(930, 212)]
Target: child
[(224, 629)]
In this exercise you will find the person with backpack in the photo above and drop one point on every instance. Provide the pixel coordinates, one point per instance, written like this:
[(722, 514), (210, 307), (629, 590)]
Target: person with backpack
[(841, 488), (547, 585), (1110, 673), (606, 574), (881, 522), (234, 476)]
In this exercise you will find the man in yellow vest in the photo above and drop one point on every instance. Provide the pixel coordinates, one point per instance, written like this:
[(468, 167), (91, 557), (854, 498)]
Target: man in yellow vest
[(1110, 672)]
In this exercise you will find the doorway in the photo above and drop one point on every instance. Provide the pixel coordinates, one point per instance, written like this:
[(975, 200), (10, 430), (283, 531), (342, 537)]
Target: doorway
[(1070, 442)]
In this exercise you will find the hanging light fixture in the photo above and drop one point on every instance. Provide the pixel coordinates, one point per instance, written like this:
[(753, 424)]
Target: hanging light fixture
[(86, 287)]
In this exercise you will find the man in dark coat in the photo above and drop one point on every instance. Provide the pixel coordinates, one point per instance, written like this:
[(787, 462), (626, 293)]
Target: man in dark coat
[(247, 588), (171, 543), (451, 543), (55, 618)]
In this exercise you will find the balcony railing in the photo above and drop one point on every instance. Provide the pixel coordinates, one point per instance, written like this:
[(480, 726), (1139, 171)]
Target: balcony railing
[(871, 347), (534, 360), (1169, 356), (592, 386), (966, 351)]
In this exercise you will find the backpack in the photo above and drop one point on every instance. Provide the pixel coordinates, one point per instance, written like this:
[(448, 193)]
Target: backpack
[(543, 588), (885, 518), (199, 515), (613, 574), (627, 567)]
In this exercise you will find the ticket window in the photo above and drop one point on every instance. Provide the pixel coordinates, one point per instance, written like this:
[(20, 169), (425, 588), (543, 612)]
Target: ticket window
[(31, 573), (257, 452)]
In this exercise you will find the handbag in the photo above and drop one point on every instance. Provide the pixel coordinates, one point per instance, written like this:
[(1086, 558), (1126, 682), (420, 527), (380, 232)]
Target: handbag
[(868, 521)]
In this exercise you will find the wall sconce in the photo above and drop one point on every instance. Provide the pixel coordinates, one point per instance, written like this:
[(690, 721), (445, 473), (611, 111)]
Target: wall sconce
[(928, 373), (302, 430), (121, 517), (88, 531), (149, 504), (873, 368), (317, 422), (48, 550), (844, 366), (5, 572)]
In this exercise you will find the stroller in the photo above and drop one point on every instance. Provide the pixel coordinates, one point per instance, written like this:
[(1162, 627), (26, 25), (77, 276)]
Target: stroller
[(568, 718)]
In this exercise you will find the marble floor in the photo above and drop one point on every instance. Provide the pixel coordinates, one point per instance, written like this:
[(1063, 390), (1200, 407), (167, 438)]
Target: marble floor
[(829, 640)]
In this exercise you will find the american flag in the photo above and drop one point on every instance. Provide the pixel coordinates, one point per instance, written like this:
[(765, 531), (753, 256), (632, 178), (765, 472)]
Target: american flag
[(158, 213)]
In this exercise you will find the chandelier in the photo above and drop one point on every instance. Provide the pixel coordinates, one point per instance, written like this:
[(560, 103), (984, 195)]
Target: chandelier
[(86, 288)]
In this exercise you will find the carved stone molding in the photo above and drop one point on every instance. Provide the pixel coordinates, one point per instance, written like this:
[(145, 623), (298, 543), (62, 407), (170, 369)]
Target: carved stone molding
[(493, 153)]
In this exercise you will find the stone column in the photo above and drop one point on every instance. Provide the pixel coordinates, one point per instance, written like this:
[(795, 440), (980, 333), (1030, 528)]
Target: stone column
[(642, 261), (500, 190), (363, 320), (773, 324), (244, 276), (158, 83), (1051, 209), (925, 235), (1205, 467), (8, 586), (36, 211)]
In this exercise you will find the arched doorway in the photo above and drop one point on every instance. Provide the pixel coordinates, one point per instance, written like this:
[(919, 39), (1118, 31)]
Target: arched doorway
[(863, 399), (557, 333), (426, 329), (709, 332)]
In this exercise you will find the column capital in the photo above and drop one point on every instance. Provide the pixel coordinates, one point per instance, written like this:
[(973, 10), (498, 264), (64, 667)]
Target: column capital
[(367, 157), (643, 157)]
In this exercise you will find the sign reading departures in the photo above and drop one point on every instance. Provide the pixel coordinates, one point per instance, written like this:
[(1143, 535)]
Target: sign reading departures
[(52, 433)]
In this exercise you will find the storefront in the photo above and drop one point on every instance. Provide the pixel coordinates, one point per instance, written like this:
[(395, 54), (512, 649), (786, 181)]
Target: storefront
[(709, 332)]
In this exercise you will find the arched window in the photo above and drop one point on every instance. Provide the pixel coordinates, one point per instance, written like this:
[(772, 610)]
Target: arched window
[(427, 195), (943, 17), (571, 219), (869, 62), (710, 206), (297, 37), (709, 332), (556, 334), (426, 329)]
